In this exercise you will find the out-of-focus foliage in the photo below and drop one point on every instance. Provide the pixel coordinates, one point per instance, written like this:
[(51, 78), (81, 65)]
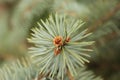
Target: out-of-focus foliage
[(16, 70), (16, 18), (86, 75)]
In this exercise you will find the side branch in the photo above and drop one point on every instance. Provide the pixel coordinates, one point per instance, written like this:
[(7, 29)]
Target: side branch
[(105, 18)]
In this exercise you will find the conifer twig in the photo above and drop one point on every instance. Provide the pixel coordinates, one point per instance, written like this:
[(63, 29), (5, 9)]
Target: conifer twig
[(70, 75), (105, 18)]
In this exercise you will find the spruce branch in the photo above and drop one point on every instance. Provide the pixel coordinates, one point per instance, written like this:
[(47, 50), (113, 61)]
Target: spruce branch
[(104, 18), (16, 70), (59, 46), (70, 76), (84, 74)]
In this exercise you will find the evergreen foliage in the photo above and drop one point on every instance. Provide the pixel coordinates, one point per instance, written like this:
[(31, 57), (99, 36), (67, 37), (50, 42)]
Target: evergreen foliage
[(59, 46)]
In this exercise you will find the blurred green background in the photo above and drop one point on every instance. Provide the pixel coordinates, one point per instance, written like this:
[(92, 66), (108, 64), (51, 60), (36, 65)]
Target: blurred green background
[(102, 18)]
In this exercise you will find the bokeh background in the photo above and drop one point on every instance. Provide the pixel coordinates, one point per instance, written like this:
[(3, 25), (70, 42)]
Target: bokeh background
[(102, 18)]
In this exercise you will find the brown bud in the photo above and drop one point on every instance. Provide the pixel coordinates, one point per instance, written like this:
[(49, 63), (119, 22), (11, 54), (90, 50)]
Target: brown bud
[(57, 51), (58, 41), (67, 39)]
